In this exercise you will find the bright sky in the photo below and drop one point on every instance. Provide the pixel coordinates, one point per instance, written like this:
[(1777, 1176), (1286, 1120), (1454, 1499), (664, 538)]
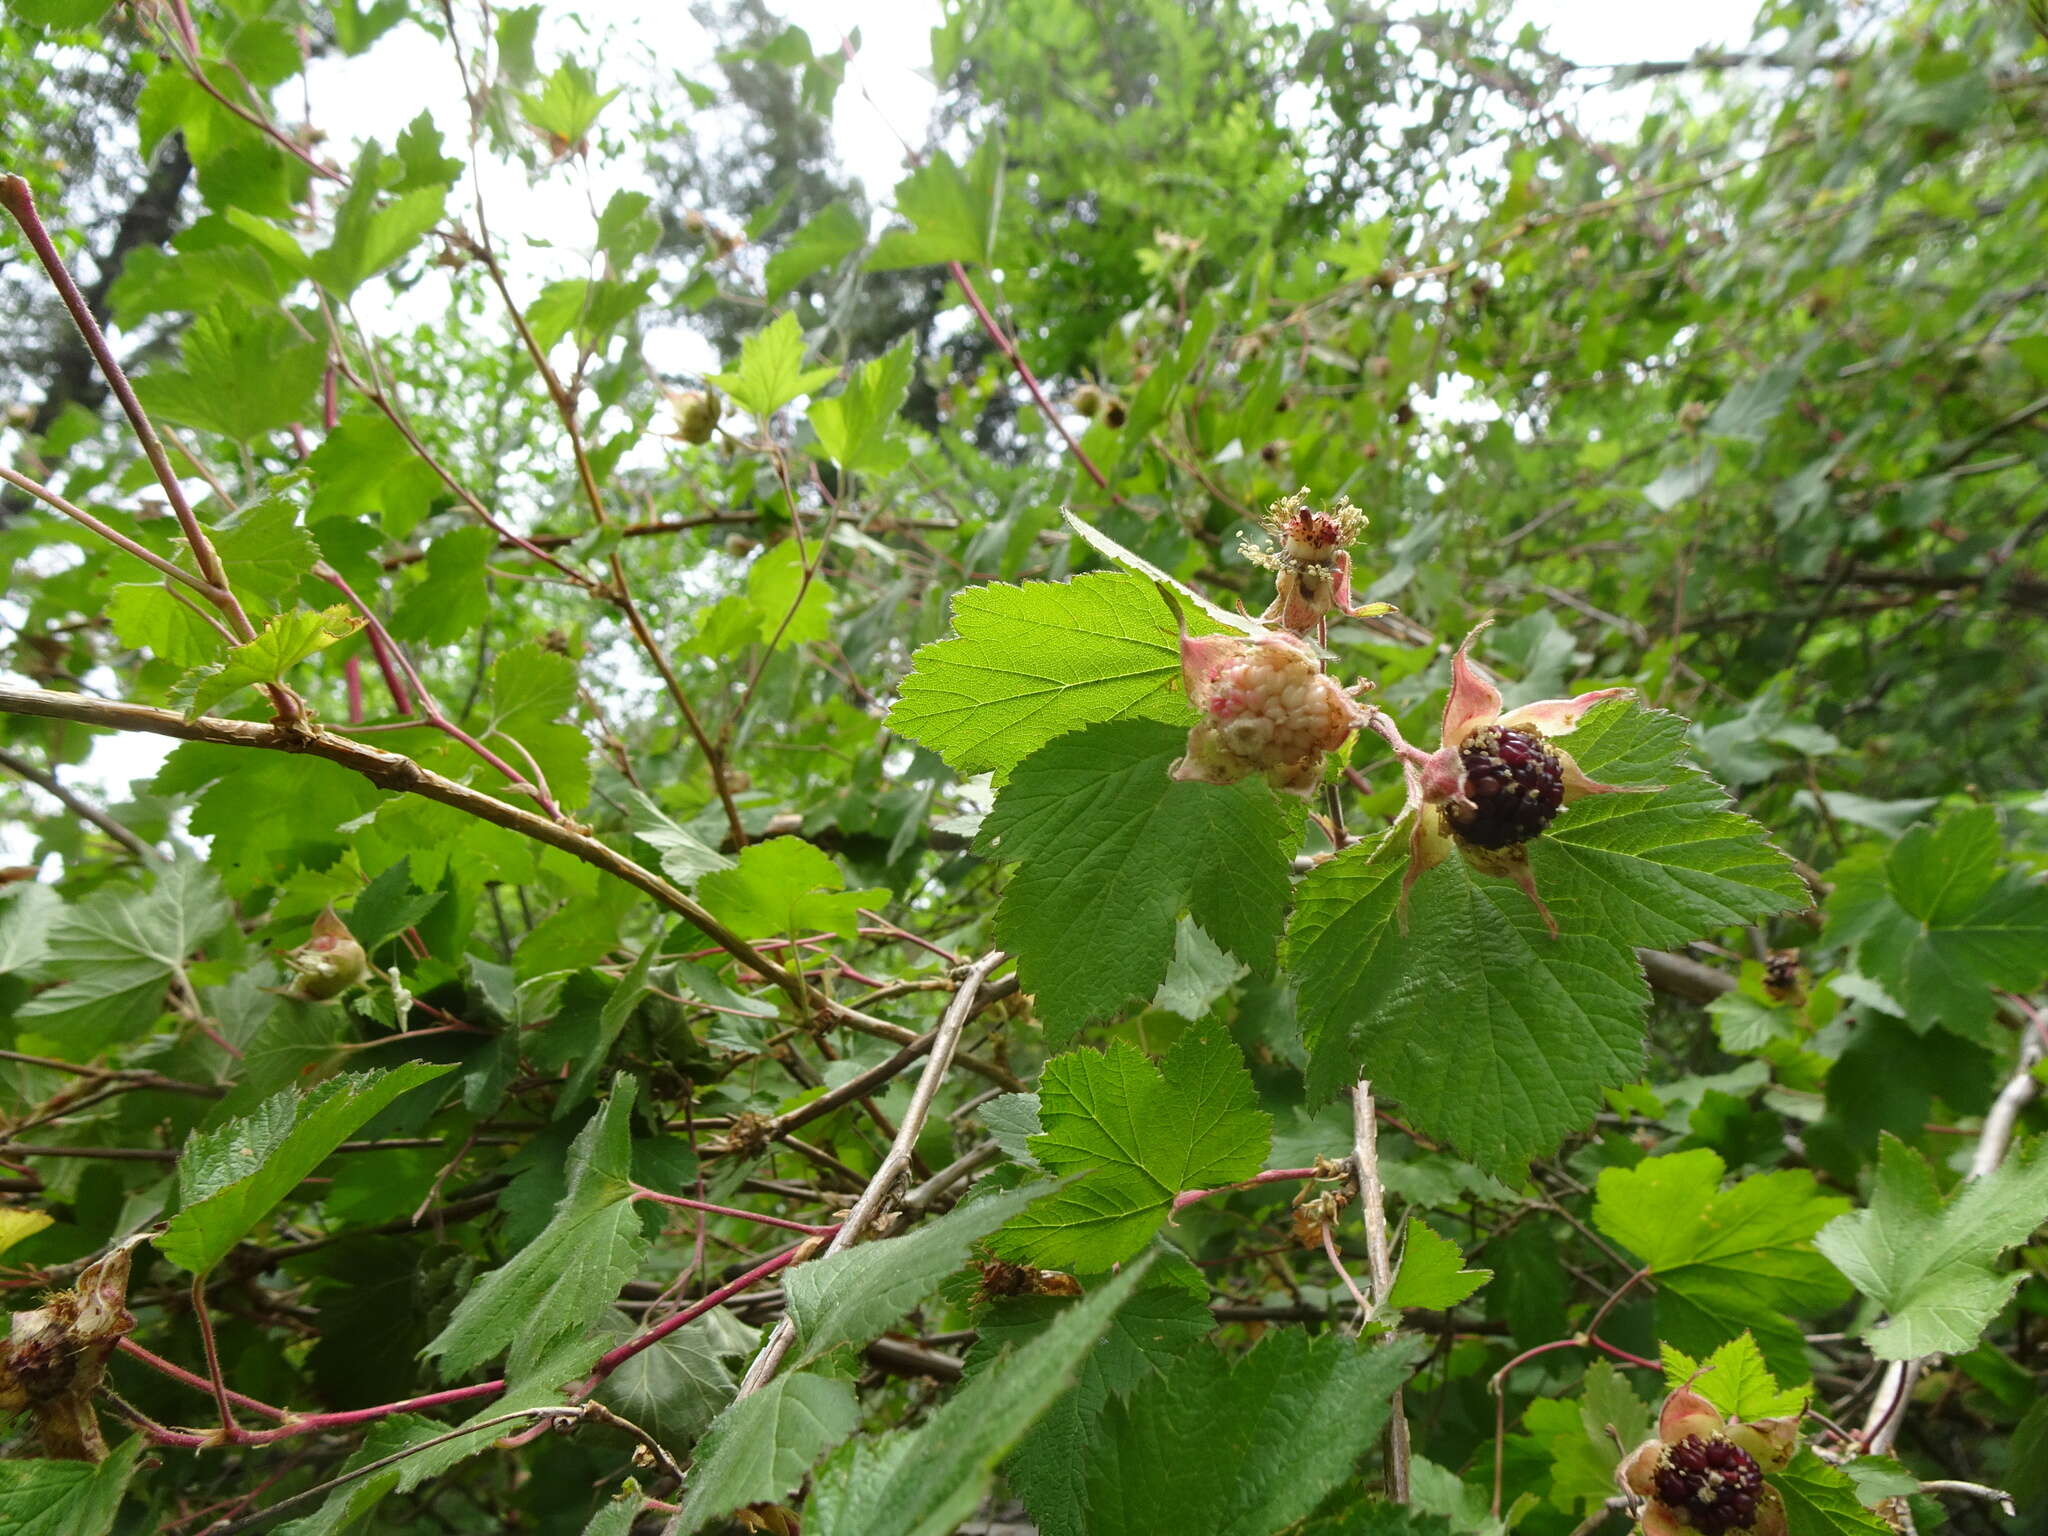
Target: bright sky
[(652, 40)]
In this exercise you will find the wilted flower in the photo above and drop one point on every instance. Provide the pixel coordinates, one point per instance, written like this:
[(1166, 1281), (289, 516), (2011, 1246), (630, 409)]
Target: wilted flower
[(1705, 1472), (1310, 561), (54, 1356), (696, 413), (1267, 707), (1497, 780)]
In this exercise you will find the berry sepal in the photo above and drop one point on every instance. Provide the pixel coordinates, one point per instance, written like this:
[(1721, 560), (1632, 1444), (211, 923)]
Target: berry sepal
[(1497, 779)]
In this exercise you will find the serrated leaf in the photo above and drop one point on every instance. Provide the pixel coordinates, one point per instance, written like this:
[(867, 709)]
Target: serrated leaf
[(230, 1178), (1028, 663), (1939, 922), (244, 372), (854, 1296), (1111, 850), (853, 425), (387, 906), (1544, 1024), (1735, 1379), (926, 1481), (685, 857), (771, 373), (282, 644), (66, 1498), (1104, 545), (832, 234), (1141, 1134), (1724, 1260), (1165, 1317), (1433, 1274), (17, 1224), (1821, 1500), (785, 886), (677, 1385), (564, 1281), (1541, 1025), (1929, 1261), (1216, 1444), (790, 604), (152, 618), (1656, 869), (266, 555), (566, 106), (371, 232), (953, 213), (760, 1448), (117, 949)]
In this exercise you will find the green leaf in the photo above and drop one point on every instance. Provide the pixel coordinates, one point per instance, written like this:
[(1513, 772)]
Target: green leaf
[(1820, 1500), (1656, 869), (1110, 549), (611, 1019), (232, 1177), (567, 105), (926, 1481), (760, 1448), (117, 949), (677, 1385), (785, 886), (371, 235), (1142, 1135), (387, 906), (1165, 1317), (853, 425), (832, 234), (1724, 1260), (1111, 850), (771, 372), (953, 213), (453, 595), (618, 1516), (66, 1498), (854, 1296), (365, 468), (565, 1280), (244, 372), (685, 857), (1543, 1024), (1938, 922), (1929, 1262), (1433, 1274), (1216, 1444), (266, 555), (788, 608), (282, 644), (1025, 664), (1488, 1031), (151, 618), (1734, 1379)]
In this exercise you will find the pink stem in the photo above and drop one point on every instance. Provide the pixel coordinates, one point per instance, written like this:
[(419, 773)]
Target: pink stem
[(192, 1379), (641, 1192), (626, 1351), (1270, 1176), (1016, 359)]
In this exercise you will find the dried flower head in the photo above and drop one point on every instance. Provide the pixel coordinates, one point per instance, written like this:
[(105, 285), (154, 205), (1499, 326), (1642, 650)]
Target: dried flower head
[(1496, 780), (1309, 556), (1705, 1472)]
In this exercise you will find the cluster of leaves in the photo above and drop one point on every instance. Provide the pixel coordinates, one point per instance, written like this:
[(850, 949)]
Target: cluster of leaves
[(648, 800)]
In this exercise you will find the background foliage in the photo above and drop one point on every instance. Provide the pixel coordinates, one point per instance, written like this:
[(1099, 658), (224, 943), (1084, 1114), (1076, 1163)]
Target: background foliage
[(756, 822)]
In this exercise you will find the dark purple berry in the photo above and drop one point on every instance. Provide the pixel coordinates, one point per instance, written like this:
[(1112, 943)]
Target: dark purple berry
[(1515, 783), (1713, 1484)]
